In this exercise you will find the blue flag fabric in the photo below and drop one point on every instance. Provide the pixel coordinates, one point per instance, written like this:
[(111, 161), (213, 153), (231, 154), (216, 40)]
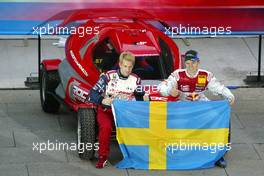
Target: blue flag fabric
[(173, 135)]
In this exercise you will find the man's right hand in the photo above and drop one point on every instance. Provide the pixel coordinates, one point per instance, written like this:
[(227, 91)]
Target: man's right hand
[(107, 101), (232, 101)]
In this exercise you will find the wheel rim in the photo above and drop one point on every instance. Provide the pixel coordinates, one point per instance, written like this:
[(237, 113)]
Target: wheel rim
[(43, 87)]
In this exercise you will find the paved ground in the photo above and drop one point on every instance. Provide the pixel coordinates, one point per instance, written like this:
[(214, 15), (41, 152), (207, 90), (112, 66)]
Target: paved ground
[(229, 58), (22, 123)]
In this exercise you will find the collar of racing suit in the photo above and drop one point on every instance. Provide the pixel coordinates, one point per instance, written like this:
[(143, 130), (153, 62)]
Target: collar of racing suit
[(120, 75), (192, 76)]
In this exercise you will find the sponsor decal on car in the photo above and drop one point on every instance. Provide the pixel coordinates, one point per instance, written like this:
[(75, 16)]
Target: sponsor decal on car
[(78, 64), (79, 93)]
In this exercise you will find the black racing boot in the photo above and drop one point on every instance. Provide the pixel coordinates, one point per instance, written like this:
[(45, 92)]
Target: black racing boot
[(221, 163)]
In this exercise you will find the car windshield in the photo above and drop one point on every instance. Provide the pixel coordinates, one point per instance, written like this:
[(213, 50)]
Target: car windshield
[(149, 68), (105, 57)]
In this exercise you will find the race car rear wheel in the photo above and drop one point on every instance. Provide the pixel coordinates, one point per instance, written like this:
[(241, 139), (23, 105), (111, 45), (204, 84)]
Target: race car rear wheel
[(86, 133), (49, 81)]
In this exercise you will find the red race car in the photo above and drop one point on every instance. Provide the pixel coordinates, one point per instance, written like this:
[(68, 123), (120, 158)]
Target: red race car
[(108, 33)]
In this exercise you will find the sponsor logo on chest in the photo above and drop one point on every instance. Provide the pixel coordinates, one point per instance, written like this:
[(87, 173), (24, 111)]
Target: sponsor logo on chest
[(185, 88)]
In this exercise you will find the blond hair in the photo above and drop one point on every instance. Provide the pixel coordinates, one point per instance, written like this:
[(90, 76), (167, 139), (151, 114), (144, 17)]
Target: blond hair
[(128, 56)]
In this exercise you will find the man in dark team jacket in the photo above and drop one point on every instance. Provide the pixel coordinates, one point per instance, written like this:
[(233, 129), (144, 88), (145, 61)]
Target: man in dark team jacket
[(114, 84)]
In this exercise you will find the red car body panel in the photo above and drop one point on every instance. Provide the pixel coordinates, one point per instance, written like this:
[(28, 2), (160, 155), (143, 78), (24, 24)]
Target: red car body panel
[(51, 64), (134, 35)]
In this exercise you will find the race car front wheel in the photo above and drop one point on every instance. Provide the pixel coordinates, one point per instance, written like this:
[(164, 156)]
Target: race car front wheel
[(49, 81), (86, 133)]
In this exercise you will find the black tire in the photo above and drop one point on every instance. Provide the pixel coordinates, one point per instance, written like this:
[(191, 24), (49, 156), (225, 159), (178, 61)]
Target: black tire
[(49, 80), (86, 133)]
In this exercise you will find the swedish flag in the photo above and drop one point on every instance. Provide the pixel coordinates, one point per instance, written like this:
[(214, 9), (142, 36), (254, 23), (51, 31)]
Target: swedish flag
[(174, 135)]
